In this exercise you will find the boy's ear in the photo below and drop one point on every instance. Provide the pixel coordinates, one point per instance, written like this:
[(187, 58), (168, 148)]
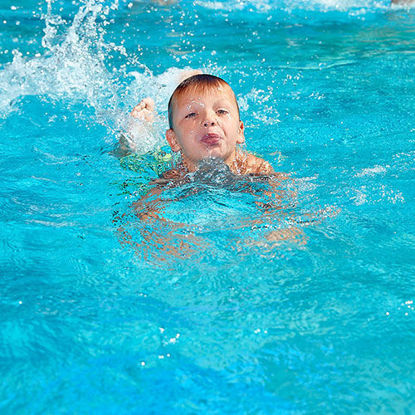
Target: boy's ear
[(241, 136), (171, 139)]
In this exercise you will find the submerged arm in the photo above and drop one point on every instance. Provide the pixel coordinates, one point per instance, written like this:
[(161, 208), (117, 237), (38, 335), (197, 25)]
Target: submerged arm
[(172, 238), (274, 207)]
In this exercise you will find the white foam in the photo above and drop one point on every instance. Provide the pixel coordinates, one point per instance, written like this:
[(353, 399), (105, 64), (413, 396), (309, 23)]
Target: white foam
[(371, 171)]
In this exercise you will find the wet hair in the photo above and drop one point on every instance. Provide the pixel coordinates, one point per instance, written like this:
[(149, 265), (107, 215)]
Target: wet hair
[(200, 83)]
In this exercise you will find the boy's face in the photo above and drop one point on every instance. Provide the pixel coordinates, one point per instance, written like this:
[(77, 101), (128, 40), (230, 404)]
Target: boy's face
[(206, 124)]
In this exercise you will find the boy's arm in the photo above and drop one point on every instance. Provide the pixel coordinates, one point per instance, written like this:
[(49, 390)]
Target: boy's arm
[(248, 164), (273, 207), (157, 231), (140, 125)]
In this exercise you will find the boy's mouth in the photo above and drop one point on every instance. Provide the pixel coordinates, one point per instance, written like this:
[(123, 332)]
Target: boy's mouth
[(210, 139)]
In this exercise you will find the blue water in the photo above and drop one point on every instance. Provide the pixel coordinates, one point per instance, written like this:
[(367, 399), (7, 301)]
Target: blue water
[(212, 317)]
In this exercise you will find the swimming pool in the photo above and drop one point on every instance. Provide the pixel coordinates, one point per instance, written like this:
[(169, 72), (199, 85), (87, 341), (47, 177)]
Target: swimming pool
[(237, 324)]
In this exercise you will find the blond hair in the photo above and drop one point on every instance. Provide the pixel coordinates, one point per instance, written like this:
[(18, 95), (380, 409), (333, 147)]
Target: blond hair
[(199, 83)]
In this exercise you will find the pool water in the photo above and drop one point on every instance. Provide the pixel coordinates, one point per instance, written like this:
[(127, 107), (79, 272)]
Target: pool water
[(102, 313)]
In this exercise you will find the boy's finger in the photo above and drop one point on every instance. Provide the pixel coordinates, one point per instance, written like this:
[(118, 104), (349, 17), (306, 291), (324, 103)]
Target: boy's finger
[(136, 111), (148, 102)]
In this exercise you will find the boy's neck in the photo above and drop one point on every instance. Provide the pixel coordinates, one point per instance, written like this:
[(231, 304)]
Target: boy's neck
[(233, 162)]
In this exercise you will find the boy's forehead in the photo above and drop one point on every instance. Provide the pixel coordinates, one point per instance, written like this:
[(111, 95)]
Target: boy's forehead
[(199, 95)]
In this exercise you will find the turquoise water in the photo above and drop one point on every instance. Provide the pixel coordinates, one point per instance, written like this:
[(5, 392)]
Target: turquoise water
[(223, 320)]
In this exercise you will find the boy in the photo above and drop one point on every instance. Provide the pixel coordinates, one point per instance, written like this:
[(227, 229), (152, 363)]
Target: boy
[(204, 123)]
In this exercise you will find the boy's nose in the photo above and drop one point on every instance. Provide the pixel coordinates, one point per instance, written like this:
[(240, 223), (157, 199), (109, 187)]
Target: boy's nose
[(208, 123), (209, 118)]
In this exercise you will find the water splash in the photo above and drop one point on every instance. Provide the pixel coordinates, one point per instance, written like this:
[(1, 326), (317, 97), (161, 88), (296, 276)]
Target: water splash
[(290, 5), (72, 65)]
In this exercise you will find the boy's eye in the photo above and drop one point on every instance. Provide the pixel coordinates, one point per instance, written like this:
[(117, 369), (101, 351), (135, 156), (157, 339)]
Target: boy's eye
[(190, 115), (222, 111)]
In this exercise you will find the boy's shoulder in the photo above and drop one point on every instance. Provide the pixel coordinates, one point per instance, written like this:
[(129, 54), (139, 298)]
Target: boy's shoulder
[(248, 163)]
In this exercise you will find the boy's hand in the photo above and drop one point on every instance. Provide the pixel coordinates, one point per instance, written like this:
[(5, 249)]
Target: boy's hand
[(144, 111), (292, 234)]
